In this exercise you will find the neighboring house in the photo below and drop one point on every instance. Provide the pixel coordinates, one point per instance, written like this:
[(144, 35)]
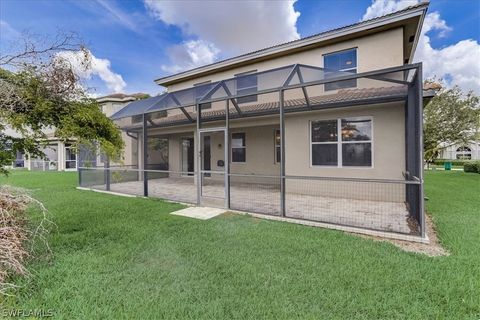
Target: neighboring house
[(325, 129), (59, 156), (62, 156), (470, 151)]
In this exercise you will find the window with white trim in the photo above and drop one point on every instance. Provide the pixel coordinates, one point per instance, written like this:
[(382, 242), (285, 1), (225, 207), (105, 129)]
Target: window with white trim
[(464, 153), (246, 83), (345, 61), (278, 154), (341, 142), (239, 147)]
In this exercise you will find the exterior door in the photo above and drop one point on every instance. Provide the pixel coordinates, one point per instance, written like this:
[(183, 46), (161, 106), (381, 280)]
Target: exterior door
[(212, 155)]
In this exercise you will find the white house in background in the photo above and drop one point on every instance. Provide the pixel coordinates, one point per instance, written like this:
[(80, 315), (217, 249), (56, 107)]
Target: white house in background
[(470, 151), (60, 155)]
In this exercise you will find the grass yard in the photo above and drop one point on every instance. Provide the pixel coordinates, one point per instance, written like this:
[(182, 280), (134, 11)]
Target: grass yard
[(127, 258)]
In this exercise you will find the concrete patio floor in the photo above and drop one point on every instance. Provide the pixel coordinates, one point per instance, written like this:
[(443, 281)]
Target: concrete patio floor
[(265, 198)]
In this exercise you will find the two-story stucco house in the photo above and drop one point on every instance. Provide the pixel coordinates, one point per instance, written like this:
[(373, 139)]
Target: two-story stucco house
[(326, 128)]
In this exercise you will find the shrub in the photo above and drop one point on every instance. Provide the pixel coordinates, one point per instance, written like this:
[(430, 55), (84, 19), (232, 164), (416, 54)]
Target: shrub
[(472, 166), (455, 162)]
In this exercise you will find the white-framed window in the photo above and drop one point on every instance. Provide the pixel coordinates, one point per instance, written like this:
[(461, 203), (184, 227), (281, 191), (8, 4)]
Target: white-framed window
[(70, 157), (200, 90), (278, 152), (246, 83), (344, 142), (345, 61), (464, 153), (239, 147)]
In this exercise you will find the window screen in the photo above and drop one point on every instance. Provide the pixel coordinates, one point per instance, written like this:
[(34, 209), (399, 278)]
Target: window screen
[(340, 61), (247, 83)]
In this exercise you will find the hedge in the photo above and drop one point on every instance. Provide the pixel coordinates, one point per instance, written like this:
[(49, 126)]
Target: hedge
[(472, 166), (454, 162)]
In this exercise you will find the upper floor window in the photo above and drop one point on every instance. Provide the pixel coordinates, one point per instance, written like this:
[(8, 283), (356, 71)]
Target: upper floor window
[(247, 83), (200, 91), (340, 61)]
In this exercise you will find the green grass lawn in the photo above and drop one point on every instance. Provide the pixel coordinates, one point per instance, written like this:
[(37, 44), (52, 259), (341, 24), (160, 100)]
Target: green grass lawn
[(127, 258)]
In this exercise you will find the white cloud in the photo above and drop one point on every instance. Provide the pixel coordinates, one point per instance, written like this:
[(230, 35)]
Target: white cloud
[(382, 7), (225, 28), (190, 54), (96, 67), (456, 64)]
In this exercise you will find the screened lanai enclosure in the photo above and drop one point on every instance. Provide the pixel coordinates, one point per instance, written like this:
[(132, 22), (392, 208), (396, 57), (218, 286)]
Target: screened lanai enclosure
[(299, 142)]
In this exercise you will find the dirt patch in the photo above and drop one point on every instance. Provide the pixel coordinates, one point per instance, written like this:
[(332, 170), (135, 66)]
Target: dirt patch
[(432, 249)]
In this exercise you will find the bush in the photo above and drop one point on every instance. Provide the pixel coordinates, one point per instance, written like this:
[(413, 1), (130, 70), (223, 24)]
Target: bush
[(455, 162), (472, 166)]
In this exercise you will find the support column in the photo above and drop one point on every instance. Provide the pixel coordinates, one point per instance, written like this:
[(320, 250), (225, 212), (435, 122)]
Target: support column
[(282, 153), (227, 154), (61, 156), (28, 163), (199, 160), (414, 148), (419, 118), (145, 157), (106, 166)]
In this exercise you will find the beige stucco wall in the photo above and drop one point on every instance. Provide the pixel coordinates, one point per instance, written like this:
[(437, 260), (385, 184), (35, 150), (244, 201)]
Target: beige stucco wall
[(110, 107), (388, 142), (388, 149), (130, 152)]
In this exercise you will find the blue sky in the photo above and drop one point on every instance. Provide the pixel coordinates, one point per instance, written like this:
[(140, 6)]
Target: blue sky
[(146, 40)]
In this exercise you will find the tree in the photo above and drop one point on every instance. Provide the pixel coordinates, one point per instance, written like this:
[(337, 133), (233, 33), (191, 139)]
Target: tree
[(41, 89), (450, 118)]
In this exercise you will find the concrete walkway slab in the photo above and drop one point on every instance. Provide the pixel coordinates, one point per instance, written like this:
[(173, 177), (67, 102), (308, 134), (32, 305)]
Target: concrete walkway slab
[(202, 213)]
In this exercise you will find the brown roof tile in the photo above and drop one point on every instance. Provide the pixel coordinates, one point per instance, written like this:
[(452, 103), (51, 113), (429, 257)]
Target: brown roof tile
[(344, 95)]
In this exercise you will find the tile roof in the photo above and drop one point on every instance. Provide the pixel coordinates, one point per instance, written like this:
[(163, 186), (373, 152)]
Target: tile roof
[(291, 105), (124, 95)]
